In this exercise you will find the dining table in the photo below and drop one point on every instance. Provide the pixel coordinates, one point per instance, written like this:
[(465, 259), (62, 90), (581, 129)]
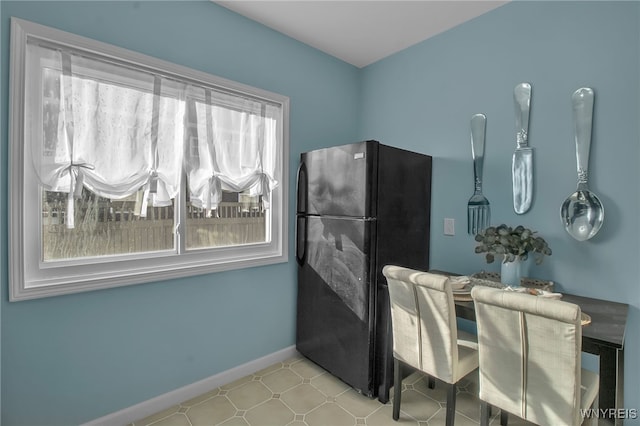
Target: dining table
[(602, 336)]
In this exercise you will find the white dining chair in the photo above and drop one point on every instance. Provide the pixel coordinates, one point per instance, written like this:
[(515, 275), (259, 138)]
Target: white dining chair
[(425, 332), (530, 358)]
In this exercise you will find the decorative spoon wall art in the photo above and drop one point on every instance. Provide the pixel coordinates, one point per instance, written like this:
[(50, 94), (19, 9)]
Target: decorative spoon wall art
[(582, 212)]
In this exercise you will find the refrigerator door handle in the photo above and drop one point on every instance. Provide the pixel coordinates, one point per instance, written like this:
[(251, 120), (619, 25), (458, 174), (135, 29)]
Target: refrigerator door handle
[(302, 188), (301, 240)]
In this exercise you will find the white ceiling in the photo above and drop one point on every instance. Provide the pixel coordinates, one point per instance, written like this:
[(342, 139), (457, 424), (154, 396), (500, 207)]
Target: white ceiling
[(361, 32)]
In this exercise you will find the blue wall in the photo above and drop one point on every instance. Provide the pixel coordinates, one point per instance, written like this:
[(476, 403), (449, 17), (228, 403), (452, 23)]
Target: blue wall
[(70, 359), (82, 356), (423, 98)]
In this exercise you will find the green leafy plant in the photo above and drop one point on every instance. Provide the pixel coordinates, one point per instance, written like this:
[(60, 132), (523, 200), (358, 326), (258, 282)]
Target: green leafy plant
[(511, 243)]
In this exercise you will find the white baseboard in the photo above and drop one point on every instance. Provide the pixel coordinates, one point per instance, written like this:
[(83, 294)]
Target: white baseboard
[(169, 399)]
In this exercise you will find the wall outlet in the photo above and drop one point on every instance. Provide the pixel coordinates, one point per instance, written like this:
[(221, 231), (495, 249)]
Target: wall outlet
[(449, 226)]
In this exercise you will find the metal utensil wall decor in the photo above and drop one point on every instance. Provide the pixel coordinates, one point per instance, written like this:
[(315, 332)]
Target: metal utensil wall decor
[(522, 163), (478, 210), (582, 212)]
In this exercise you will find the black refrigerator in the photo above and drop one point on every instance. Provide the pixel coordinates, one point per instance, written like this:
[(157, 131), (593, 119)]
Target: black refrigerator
[(360, 206)]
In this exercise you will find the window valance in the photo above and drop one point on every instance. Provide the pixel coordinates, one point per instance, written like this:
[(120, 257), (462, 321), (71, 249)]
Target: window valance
[(118, 130)]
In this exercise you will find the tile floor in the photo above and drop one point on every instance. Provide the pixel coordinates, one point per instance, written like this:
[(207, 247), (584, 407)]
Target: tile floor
[(297, 392)]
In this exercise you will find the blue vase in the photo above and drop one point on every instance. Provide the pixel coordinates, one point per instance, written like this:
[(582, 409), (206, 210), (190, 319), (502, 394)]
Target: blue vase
[(511, 272)]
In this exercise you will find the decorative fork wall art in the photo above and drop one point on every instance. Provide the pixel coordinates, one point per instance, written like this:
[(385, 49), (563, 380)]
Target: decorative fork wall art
[(478, 210)]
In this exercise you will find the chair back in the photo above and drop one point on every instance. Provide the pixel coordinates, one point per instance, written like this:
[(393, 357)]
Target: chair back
[(529, 352), (424, 321)]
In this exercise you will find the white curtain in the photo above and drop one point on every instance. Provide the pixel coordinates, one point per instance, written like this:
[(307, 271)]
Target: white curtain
[(113, 138), (117, 130), (232, 146)]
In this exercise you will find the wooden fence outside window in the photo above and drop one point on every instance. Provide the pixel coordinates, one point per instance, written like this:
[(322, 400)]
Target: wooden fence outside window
[(112, 228)]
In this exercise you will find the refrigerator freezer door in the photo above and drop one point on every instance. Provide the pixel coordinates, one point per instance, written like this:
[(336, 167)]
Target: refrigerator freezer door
[(336, 181), (334, 321)]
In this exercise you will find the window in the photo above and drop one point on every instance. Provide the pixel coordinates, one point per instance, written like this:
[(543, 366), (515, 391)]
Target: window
[(127, 169)]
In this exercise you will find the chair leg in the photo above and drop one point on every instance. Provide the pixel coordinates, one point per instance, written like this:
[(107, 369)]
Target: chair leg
[(397, 388), (485, 413), (504, 418), (451, 404), (431, 382)]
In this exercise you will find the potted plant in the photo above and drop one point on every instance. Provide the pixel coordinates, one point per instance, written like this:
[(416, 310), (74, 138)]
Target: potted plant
[(513, 246)]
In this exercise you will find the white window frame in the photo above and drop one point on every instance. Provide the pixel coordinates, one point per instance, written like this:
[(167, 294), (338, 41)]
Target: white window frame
[(73, 277)]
